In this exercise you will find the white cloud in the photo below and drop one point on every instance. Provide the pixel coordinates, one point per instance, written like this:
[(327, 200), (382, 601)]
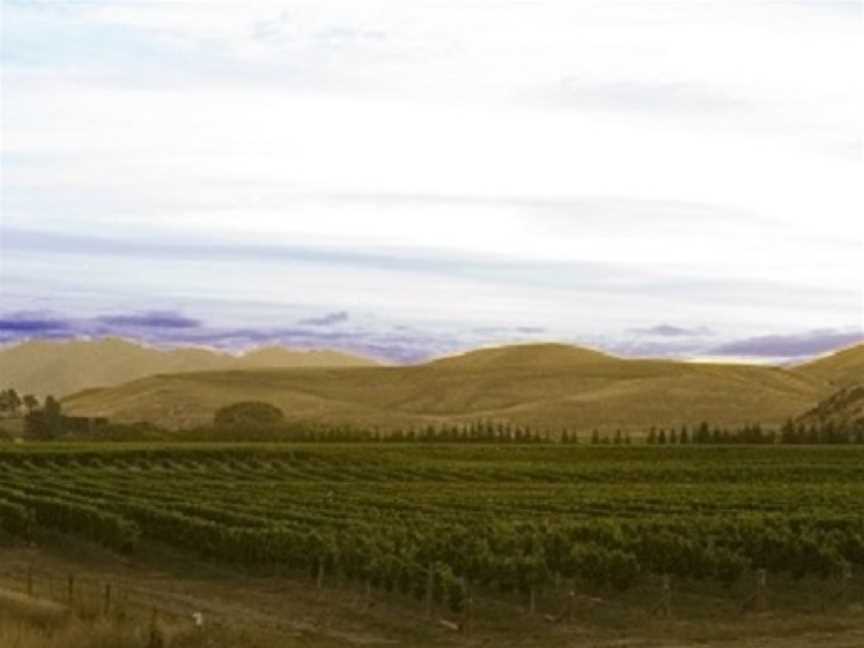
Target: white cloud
[(712, 142)]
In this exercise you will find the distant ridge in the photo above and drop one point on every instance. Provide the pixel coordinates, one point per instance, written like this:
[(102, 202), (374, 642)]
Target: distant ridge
[(546, 386), (524, 356), (64, 367), (843, 368)]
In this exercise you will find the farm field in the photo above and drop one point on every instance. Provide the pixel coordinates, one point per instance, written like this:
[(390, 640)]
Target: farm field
[(557, 533)]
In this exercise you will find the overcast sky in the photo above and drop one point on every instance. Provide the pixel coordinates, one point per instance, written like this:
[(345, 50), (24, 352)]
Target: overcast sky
[(408, 178)]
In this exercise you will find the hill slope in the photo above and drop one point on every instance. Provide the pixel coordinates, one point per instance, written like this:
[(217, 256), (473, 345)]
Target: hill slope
[(842, 369), (540, 385), (61, 368), (842, 408), (524, 356)]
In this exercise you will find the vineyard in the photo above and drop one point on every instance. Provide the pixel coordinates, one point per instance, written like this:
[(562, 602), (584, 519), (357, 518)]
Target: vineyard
[(447, 522)]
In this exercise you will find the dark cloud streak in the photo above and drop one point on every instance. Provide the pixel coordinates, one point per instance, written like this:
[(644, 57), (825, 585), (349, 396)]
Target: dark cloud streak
[(668, 330), (791, 346), (326, 320), (153, 319), (28, 324)]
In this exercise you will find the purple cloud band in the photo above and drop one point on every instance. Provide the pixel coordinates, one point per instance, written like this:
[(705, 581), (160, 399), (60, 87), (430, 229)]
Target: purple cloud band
[(153, 319), (398, 343), (791, 346)]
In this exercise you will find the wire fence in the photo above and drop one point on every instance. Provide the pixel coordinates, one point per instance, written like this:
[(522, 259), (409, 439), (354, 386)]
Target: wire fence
[(91, 596)]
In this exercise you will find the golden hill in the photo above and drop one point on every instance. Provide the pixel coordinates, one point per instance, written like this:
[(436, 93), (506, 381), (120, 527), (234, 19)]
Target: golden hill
[(61, 368), (845, 407), (524, 356), (541, 385), (841, 369)]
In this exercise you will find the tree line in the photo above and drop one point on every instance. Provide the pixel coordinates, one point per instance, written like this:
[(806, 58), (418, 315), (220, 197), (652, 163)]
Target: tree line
[(790, 433), (43, 421), (258, 421)]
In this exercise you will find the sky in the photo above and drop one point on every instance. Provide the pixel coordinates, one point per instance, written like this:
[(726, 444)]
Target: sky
[(408, 179)]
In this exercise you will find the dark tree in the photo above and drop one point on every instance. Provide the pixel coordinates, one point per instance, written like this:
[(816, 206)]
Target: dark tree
[(45, 424), (31, 403), (250, 414)]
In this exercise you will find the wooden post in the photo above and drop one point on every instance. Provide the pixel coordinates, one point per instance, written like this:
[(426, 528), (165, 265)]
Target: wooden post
[(469, 604), (430, 584), (107, 598), (30, 580), (570, 606), (667, 596), (156, 640), (760, 599), (845, 580)]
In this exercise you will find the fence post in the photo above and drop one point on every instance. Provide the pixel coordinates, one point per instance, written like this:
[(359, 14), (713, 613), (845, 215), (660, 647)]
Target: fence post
[(156, 639), (430, 584), (666, 602), (845, 580), (469, 608), (570, 606), (760, 599)]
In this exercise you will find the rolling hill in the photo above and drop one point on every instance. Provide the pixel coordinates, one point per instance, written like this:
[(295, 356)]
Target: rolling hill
[(845, 407), (61, 368), (546, 385), (841, 369)]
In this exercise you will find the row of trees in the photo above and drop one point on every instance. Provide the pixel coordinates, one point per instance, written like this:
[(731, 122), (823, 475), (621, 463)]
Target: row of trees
[(46, 423), (251, 420), (11, 403), (791, 433), (43, 421)]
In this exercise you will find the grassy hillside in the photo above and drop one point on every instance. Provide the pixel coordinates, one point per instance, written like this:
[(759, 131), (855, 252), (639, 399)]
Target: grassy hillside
[(842, 408), (61, 368), (842, 369), (540, 385)]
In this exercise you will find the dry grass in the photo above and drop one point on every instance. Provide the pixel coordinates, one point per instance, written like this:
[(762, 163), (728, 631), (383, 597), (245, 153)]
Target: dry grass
[(16, 633), (63, 367), (540, 385), (39, 613), (842, 369), (29, 630)]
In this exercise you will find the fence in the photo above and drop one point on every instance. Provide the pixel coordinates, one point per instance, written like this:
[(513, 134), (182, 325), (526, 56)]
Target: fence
[(93, 597), (106, 597)]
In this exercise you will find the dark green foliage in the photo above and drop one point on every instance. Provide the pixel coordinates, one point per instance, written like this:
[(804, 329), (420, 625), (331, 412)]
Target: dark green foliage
[(10, 403), (16, 519), (248, 415), (501, 516), (45, 424)]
